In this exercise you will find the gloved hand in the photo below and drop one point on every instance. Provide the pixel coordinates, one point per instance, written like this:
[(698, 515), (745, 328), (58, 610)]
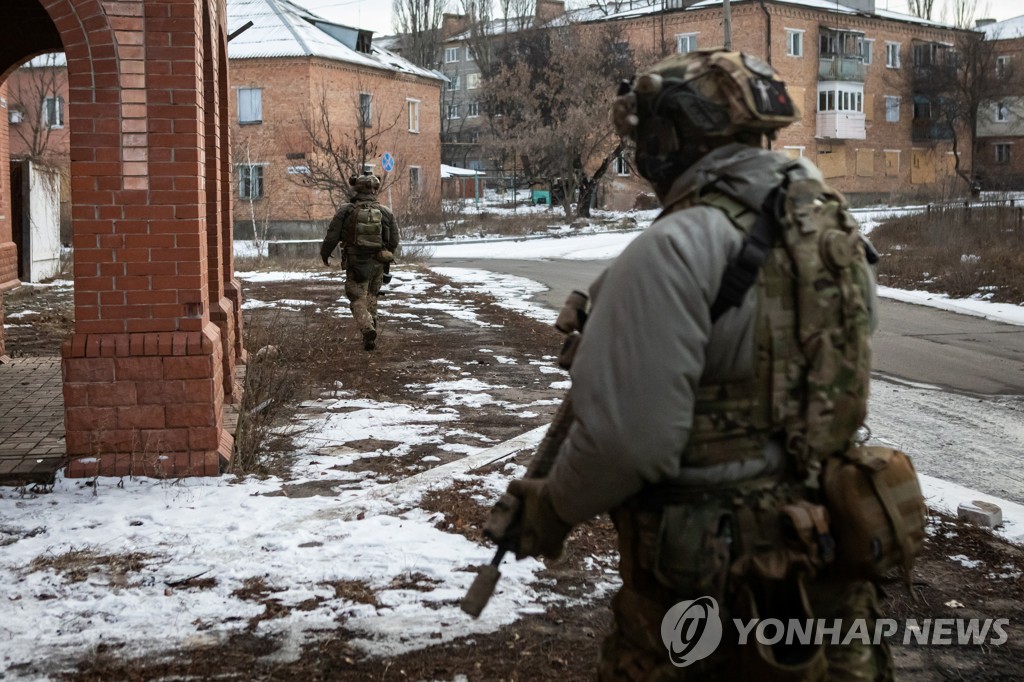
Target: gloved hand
[(326, 260), (541, 532)]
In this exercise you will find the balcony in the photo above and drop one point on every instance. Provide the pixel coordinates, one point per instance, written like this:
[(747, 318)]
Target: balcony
[(841, 125), (926, 130), (841, 68)]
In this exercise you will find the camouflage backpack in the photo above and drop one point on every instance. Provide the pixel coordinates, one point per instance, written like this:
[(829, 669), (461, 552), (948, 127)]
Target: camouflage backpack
[(812, 369), (366, 225), (812, 337)]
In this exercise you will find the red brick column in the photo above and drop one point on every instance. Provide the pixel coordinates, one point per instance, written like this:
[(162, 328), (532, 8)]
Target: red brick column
[(232, 287), (222, 307), (8, 252), (144, 370)]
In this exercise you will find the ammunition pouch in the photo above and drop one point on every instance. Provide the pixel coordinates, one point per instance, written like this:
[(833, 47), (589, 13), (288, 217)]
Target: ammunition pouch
[(877, 511)]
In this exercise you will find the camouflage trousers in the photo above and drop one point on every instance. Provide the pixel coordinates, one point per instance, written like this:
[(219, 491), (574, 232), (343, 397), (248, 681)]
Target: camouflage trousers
[(634, 651), (362, 284)]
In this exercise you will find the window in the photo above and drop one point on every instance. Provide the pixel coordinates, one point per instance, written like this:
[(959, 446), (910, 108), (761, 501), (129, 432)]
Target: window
[(922, 108), (892, 55), (451, 55), (53, 112), (250, 181), (472, 81), (794, 42), (250, 105), (14, 116), (413, 107), (686, 42), (453, 82), (621, 165), (453, 111), (1002, 153), (1002, 112), (865, 50), (841, 98), (472, 109), (414, 180), (1002, 64), (892, 109), (366, 109)]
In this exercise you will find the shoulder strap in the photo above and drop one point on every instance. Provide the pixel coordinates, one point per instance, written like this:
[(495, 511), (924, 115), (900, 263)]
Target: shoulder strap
[(741, 273)]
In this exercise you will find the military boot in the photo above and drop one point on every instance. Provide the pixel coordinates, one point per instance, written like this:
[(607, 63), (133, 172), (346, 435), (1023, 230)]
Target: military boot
[(369, 339)]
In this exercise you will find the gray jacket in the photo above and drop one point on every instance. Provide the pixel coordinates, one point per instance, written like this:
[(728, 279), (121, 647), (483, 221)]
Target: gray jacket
[(650, 342)]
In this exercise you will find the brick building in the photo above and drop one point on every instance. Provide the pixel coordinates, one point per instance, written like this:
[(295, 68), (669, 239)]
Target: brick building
[(848, 65), (296, 79), (157, 331), (1001, 125)]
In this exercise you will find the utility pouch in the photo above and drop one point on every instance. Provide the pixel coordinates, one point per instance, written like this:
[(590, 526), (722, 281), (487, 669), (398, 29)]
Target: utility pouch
[(693, 550), (806, 525), (877, 511), (385, 256), (790, 659)]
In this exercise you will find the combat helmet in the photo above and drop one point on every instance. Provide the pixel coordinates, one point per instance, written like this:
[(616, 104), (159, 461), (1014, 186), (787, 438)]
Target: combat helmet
[(689, 103), (365, 184)]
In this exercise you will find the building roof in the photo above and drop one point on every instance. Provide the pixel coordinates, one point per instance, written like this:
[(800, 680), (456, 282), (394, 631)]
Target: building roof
[(456, 172), (1006, 29), (281, 28), (825, 5)]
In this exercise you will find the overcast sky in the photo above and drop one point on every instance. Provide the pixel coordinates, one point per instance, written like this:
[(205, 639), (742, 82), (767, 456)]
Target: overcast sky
[(376, 14)]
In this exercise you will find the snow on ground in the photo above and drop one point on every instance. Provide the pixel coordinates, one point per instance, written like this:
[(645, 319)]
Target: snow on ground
[(236, 531)]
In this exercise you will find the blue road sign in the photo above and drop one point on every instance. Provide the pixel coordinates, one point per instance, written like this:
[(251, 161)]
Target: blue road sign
[(387, 162)]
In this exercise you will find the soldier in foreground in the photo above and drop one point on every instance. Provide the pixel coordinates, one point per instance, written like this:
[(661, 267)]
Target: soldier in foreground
[(369, 237), (724, 365)]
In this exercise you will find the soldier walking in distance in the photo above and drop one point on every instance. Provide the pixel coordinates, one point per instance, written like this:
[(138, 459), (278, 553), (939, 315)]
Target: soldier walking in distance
[(725, 358), (369, 237)]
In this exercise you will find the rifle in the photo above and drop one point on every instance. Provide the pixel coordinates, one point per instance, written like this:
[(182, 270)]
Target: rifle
[(501, 524)]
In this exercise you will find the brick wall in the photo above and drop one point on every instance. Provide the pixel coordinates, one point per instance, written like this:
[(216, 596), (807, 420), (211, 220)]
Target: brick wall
[(1000, 172), (291, 90), (8, 252), (887, 161), (148, 367)]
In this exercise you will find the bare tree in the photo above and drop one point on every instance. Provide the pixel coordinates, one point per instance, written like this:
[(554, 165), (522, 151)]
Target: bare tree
[(249, 156), (962, 12), (418, 24), (38, 107), (954, 87), (921, 8), (340, 149), (548, 105)]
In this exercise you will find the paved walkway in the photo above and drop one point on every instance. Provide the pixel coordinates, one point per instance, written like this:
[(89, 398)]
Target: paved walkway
[(31, 420)]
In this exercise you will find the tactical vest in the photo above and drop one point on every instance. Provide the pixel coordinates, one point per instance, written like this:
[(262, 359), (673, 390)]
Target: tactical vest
[(368, 225), (812, 353)]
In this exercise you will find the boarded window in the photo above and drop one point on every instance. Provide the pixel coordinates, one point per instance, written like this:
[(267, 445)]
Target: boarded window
[(892, 162), (922, 167), (865, 162), (250, 105)]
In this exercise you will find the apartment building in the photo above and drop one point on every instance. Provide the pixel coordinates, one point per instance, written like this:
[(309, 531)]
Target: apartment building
[(849, 66), (1001, 124), (306, 91)]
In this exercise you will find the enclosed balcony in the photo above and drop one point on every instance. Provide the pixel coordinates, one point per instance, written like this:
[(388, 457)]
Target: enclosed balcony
[(841, 55), (840, 113)]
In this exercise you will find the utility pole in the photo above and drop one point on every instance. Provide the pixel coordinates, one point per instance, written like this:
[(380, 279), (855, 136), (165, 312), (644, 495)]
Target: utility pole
[(727, 23)]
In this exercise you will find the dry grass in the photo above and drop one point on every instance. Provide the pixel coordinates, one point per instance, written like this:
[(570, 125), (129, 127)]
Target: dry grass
[(955, 250), (77, 564)]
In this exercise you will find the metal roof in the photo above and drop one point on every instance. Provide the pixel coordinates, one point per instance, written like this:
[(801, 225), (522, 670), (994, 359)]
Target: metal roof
[(281, 28)]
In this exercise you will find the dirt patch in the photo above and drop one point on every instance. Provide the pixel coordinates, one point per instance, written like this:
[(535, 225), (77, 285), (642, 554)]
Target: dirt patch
[(982, 579), (78, 564), (955, 250)]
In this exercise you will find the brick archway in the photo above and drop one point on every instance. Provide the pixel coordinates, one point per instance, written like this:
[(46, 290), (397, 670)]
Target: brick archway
[(157, 320)]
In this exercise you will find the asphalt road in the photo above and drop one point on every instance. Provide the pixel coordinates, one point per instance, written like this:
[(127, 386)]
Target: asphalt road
[(914, 343)]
